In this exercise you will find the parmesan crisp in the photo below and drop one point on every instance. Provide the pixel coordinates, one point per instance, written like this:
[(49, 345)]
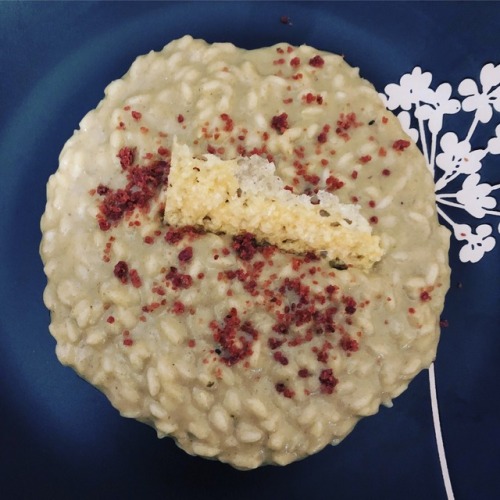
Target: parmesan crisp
[(245, 195)]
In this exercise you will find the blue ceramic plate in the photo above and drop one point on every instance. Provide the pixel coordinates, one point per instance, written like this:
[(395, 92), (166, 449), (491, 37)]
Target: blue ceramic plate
[(60, 438)]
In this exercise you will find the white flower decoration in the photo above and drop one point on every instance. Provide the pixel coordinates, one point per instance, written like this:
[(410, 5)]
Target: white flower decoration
[(477, 243), (405, 119), (412, 89), (474, 196), (482, 102), (439, 104), (494, 142), (457, 158)]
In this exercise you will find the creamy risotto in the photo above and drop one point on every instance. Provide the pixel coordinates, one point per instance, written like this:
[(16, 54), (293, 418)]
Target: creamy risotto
[(241, 350)]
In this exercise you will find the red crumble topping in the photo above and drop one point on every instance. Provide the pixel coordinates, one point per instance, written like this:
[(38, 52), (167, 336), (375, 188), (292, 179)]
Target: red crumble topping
[(333, 183), (135, 279), (102, 190), (177, 279), (281, 328), (235, 339), (322, 138), (283, 389), (148, 308), (186, 255), (317, 62), (425, 296), (245, 246), (274, 343), (400, 145), (110, 320), (386, 172), (143, 184), (159, 290), (365, 159), (176, 234), (295, 62), (136, 115), (310, 98), (382, 152), (304, 373), (373, 219), (312, 179), (121, 271), (163, 151), (350, 304), (178, 307), (349, 344), (444, 323), (180, 118), (327, 381), (280, 123), (280, 358), (285, 20), (126, 156), (344, 123), (279, 61), (228, 122)]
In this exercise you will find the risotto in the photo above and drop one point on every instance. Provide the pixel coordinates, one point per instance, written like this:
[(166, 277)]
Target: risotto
[(242, 349)]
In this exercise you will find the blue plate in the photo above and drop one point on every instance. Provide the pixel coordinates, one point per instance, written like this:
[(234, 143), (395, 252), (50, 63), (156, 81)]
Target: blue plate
[(60, 438)]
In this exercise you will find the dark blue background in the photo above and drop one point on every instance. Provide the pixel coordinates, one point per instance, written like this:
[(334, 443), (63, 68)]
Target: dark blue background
[(59, 437)]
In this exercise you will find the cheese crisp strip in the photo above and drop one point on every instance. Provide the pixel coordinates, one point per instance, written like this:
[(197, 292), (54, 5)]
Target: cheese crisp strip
[(245, 195)]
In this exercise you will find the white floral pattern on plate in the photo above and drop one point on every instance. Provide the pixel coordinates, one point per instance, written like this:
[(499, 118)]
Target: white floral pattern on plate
[(456, 158)]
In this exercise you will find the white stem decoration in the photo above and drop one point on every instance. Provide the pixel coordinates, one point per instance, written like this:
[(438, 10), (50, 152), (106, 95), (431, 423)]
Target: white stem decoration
[(446, 195), (423, 138), (439, 436), (446, 180), (433, 151), (459, 205), (472, 127)]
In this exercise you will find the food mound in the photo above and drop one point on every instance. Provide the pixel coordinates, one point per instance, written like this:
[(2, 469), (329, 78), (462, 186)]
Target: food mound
[(258, 329)]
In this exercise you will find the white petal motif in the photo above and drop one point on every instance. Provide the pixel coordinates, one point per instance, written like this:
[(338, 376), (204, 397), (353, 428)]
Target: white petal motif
[(468, 87), (474, 196), (490, 76), (405, 119), (457, 158), (477, 244), (494, 142), (413, 88)]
